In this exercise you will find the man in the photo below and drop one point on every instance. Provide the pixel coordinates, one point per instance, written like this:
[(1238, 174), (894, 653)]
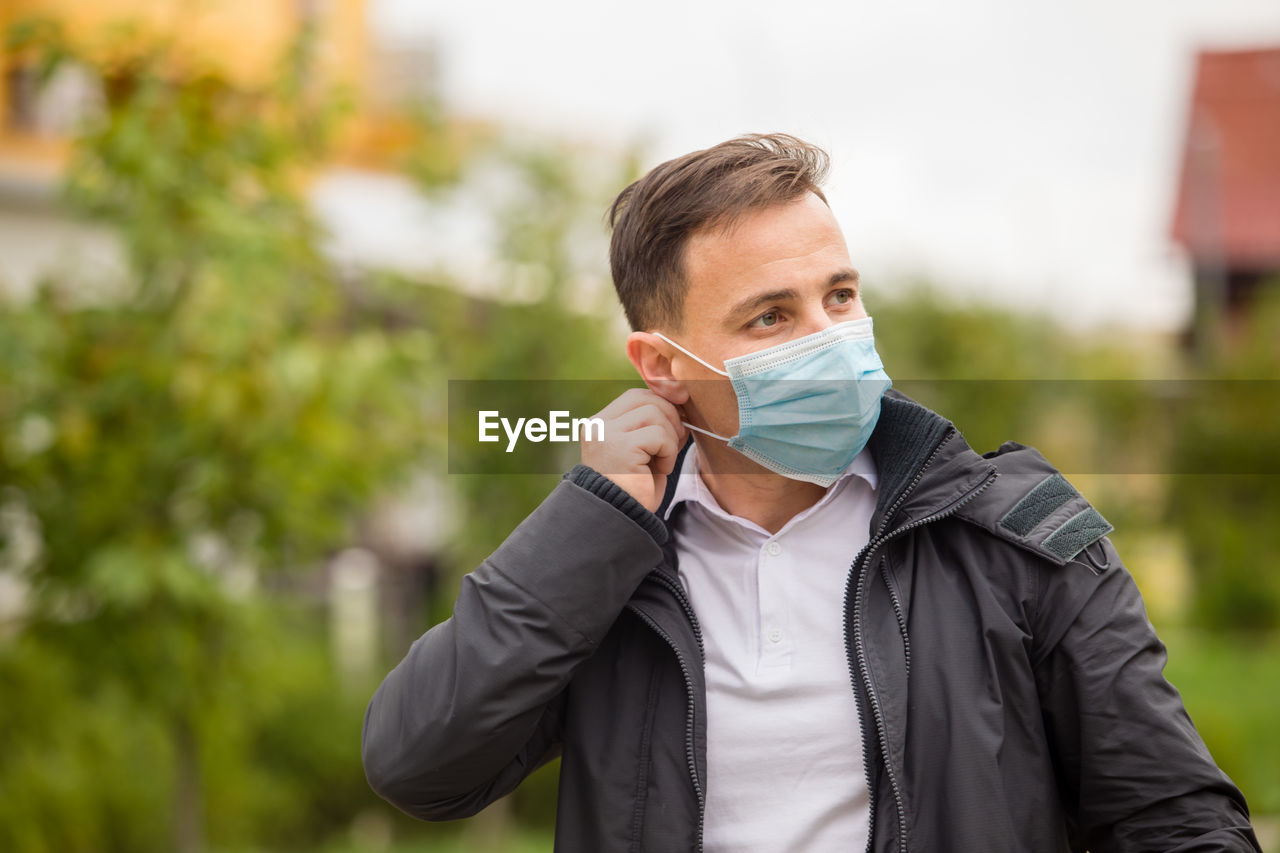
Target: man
[(779, 609)]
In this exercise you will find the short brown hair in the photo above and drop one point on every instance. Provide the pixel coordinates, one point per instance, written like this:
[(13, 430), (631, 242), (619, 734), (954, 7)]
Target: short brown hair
[(653, 218)]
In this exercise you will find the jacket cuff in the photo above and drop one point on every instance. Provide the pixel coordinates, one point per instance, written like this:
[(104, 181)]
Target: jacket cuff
[(602, 487)]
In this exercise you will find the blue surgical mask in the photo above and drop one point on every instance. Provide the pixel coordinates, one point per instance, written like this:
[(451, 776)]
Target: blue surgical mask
[(806, 407)]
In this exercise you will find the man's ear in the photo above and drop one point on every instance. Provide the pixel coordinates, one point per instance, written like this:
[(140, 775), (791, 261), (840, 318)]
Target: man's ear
[(651, 357)]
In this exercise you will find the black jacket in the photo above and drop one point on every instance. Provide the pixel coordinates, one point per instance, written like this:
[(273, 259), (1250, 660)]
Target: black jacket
[(1008, 680)]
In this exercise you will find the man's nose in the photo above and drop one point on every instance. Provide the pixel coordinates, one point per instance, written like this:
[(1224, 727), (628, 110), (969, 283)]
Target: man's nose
[(814, 319)]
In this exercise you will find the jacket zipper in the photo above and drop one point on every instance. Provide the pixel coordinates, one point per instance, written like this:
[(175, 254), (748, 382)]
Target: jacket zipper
[(856, 652), (690, 752)]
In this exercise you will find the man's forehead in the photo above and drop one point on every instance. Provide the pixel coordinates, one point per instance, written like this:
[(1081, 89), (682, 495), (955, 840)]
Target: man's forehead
[(771, 226), (784, 246)]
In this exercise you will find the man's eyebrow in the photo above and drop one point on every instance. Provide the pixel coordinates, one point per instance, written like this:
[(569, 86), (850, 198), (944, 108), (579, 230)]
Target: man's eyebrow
[(751, 303), (841, 276)]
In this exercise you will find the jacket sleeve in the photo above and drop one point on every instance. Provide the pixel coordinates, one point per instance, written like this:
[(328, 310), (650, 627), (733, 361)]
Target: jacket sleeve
[(1135, 774), (475, 705)]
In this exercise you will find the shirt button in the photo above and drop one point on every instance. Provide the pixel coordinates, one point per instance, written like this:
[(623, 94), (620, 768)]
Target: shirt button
[(775, 635), (773, 548)]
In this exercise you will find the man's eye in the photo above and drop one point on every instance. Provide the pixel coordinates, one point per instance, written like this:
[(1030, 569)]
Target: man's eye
[(842, 297), (768, 318)]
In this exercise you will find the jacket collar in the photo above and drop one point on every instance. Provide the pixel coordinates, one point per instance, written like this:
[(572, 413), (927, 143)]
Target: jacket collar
[(925, 464), (922, 462), (692, 488)]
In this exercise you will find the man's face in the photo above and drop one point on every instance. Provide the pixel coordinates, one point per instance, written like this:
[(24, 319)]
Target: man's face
[(777, 274)]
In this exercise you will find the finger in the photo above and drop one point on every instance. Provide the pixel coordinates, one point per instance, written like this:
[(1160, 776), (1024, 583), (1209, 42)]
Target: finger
[(665, 462), (624, 402), (669, 411), (672, 414), (658, 443), (648, 414)]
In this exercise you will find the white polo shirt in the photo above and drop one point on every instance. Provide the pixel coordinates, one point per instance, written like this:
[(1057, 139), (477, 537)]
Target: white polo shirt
[(784, 748)]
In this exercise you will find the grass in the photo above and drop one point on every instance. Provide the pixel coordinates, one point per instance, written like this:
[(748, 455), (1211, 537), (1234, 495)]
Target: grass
[(516, 842), (1231, 687)]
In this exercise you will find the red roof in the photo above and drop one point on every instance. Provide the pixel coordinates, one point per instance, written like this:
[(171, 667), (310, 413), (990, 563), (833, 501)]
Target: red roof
[(1228, 206)]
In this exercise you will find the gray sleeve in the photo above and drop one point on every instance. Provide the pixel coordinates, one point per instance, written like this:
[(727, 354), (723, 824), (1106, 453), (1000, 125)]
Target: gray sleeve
[(1135, 774), (601, 486), (474, 706)]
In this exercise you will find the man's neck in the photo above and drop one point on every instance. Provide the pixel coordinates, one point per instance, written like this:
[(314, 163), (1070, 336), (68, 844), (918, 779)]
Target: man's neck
[(744, 489)]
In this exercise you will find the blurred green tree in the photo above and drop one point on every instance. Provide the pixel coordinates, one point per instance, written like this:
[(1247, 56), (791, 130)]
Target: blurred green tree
[(173, 443), (186, 439), (1226, 495), (1001, 375)]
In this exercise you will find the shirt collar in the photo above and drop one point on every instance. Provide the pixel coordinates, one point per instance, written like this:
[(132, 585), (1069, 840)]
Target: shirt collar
[(690, 486)]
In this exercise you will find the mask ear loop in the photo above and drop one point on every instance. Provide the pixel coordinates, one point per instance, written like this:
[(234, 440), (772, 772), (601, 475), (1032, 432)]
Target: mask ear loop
[(705, 432), (709, 367), (691, 355)]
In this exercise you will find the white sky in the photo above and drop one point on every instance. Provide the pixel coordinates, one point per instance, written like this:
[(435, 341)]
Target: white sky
[(1020, 150)]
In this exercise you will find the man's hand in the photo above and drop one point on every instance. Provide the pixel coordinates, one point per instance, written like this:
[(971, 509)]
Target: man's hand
[(642, 437)]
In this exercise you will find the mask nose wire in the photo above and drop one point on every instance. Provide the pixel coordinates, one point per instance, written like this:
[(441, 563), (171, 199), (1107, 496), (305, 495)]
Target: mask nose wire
[(709, 367)]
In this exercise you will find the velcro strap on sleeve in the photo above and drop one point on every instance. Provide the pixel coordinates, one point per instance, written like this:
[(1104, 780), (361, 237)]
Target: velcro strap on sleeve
[(1049, 494), (1076, 533)]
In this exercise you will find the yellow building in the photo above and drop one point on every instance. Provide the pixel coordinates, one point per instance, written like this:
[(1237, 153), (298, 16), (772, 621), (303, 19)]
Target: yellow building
[(387, 132), (242, 39)]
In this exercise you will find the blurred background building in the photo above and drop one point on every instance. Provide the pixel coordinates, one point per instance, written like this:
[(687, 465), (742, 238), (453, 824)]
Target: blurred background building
[(241, 39), (379, 83), (1227, 213)]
